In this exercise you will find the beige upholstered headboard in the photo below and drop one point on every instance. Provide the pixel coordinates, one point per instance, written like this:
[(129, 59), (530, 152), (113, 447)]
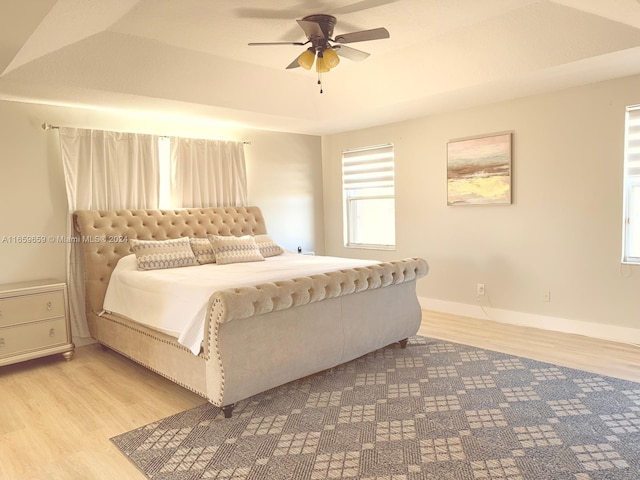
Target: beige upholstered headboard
[(105, 236)]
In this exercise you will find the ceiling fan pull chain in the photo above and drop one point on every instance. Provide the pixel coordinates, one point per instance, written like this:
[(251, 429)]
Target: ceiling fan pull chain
[(320, 81)]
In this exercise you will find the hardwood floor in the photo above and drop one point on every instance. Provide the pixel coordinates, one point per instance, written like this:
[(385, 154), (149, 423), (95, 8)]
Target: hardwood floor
[(575, 351), (57, 417)]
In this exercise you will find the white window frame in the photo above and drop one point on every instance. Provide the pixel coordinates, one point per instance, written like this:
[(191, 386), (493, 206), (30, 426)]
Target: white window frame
[(368, 173), (631, 195)]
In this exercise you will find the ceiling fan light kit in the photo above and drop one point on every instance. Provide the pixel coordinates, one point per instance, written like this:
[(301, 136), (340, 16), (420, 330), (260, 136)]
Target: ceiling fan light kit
[(319, 31), (306, 58), (331, 58)]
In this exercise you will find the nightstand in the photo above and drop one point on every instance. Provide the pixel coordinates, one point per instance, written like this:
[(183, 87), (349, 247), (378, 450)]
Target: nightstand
[(34, 321)]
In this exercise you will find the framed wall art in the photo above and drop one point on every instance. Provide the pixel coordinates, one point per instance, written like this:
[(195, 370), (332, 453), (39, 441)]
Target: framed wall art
[(479, 170)]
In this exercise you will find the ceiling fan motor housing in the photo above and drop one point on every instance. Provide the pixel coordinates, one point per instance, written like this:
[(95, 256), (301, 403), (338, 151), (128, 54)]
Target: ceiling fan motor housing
[(326, 24)]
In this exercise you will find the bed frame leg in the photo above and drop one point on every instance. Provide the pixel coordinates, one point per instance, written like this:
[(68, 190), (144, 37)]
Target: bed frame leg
[(403, 343), (228, 410)]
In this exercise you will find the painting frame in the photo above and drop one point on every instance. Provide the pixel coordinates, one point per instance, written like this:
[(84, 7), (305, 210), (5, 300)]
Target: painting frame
[(479, 169)]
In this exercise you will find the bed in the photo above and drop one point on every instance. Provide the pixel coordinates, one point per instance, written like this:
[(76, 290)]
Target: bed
[(254, 334)]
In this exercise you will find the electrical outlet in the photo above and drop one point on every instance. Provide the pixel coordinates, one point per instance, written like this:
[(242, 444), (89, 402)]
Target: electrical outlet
[(480, 289), (546, 295)]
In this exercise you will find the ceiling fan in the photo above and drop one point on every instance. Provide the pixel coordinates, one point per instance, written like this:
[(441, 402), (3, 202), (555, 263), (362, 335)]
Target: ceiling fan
[(324, 49)]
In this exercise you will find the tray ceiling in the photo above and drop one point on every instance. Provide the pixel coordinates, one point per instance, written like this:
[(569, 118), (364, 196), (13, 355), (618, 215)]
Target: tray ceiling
[(190, 57)]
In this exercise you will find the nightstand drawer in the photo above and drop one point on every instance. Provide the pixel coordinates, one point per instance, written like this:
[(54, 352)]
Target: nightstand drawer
[(32, 336), (27, 308)]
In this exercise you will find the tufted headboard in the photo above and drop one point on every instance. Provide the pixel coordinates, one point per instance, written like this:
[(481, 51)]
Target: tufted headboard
[(105, 235)]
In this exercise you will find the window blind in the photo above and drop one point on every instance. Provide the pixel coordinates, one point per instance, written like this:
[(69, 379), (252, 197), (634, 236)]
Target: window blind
[(371, 167), (632, 141), (631, 198)]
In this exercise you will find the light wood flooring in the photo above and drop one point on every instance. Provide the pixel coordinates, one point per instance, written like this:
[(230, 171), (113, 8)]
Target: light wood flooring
[(56, 417)]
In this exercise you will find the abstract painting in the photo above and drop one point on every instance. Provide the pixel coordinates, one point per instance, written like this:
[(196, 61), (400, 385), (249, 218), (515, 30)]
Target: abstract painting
[(479, 170)]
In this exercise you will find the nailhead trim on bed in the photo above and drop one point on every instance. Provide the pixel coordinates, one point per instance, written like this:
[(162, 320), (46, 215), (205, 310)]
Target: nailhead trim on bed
[(156, 338), (146, 333), (217, 311)]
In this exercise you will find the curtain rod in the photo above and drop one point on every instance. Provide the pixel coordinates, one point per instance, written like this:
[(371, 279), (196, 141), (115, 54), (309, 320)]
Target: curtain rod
[(48, 126)]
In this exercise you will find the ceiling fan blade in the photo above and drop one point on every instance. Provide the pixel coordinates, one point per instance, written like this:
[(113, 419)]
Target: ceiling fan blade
[(293, 64), (243, 12), (253, 44), (285, 13), (349, 26), (350, 53), (311, 29), (359, 6), (363, 36), (291, 33)]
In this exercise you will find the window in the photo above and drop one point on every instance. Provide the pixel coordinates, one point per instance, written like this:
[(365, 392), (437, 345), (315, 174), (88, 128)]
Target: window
[(369, 197), (631, 200)]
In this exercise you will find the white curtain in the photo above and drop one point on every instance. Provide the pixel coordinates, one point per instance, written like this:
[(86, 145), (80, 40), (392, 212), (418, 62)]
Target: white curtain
[(207, 173), (103, 170)]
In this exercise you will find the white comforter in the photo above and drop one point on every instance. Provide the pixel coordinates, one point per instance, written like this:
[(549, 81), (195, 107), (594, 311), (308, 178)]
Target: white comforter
[(175, 300)]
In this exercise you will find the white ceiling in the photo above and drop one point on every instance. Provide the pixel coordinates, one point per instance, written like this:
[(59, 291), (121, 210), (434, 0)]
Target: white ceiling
[(190, 57)]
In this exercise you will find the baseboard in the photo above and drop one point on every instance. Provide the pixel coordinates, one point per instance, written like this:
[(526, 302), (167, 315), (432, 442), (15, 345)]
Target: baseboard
[(82, 341), (588, 329)]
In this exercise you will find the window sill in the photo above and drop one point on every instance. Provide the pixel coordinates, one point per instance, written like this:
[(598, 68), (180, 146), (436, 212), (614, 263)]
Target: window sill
[(372, 247)]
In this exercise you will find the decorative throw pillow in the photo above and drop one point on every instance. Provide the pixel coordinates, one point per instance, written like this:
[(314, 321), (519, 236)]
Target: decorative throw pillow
[(203, 250), (231, 249), (267, 247), (157, 254)]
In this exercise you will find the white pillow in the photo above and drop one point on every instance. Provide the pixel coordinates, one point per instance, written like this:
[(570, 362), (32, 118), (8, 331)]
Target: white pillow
[(231, 249), (203, 250), (158, 254), (267, 247)]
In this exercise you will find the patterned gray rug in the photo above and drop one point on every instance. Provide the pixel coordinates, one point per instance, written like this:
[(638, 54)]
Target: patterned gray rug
[(435, 410)]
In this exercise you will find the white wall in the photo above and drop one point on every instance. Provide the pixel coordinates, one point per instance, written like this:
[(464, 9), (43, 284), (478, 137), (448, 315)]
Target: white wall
[(562, 232), (284, 179)]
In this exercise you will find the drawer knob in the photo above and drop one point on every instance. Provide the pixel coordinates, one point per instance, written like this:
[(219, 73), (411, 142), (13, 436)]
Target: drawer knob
[(1, 342), (49, 305), (52, 332)]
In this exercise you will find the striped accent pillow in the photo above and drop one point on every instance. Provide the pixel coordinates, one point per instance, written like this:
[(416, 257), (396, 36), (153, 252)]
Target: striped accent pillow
[(203, 250), (267, 247), (231, 249), (158, 254)]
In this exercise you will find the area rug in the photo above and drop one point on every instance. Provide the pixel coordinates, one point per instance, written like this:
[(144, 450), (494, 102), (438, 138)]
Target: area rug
[(435, 410)]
